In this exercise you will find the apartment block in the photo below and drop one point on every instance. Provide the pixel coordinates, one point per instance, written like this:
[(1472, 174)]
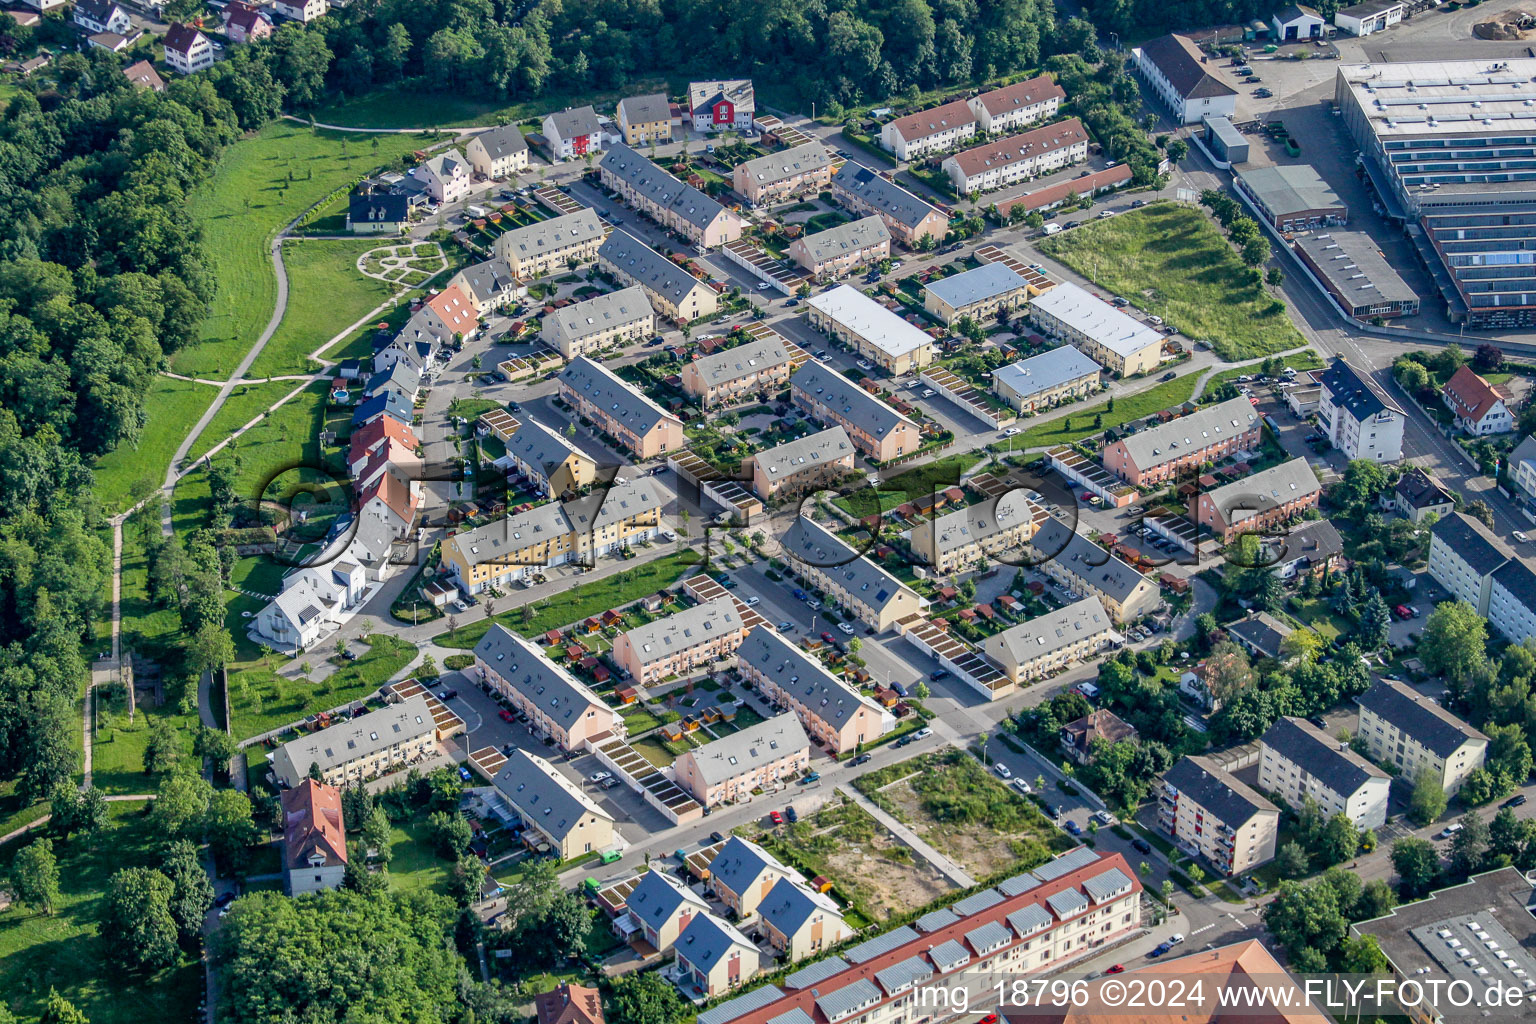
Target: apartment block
[(762, 757), (550, 245), (980, 294), (929, 131), (1358, 416), (1051, 642), (839, 251), (1119, 343), (1260, 502), (1003, 162), (639, 425), (908, 218), (1151, 457), (680, 643), (876, 429), (1086, 569), (674, 293), (558, 705), (804, 464), (739, 373), (604, 321), (1297, 760), (785, 174), (832, 713), (1014, 106), (356, 749), (870, 329), (1209, 812), (879, 599), (977, 534), (1402, 727)]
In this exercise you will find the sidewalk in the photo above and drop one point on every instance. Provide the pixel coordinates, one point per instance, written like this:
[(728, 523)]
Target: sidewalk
[(947, 867)]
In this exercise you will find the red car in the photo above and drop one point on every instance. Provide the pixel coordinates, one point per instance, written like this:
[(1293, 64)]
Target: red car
[(1403, 612), (829, 638), (506, 716), (776, 817), (1115, 969), (990, 1018)]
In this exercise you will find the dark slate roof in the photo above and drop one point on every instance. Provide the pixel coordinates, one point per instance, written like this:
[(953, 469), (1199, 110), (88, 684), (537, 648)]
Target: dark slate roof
[(1356, 392), (839, 393), (1320, 756), (1425, 721), (1218, 791), (1263, 631), (885, 196), (660, 187), (1316, 541), (1178, 58), (1473, 542), (1421, 490), (646, 109), (385, 403), (180, 37), (378, 207), (1516, 577)]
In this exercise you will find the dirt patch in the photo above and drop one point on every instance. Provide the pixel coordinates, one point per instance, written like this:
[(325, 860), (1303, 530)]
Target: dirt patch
[(1507, 26)]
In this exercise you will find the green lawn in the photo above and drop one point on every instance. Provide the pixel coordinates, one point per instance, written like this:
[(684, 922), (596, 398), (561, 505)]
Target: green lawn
[(1079, 423), (65, 952), (244, 404), (1308, 360), (261, 700), (262, 183), (128, 473), (401, 108), (917, 482), (624, 587), (1173, 261), (118, 754), (413, 865), (326, 295)]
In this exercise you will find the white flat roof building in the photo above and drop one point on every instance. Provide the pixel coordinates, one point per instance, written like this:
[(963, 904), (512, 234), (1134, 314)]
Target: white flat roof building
[(1118, 341), (849, 313)]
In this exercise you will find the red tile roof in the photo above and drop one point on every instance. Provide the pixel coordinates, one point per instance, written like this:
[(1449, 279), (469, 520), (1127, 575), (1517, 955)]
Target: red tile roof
[(312, 825), (1470, 396), (366, 439), (1020, 94), (454, 309), (1024, 146), (934, 120), (569, 1004), (396, 494)]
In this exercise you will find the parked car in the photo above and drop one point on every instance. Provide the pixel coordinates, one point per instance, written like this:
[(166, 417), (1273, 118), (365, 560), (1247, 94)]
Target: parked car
[(1262, 94), (1449, 830), (754, 599), (1175, 939), (810, 777), (938, 674), (1003, 770), (786, 625), (1159, 951), (1141, 845), (828, 637), (224, 900), (1138, 204), (922, 733), (1116, 969), (1073, 827), (789, 812), (600, 776), (776, 817), (799, 594), (464, 774), (1518, 800), (506, 716), (717, 837), (845, 628), (861, 759), (1170, 375), (1023, 787)]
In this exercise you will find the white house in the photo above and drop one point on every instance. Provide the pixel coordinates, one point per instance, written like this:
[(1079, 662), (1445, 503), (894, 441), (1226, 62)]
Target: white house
[(722, 105), (102, 16), (1296, 23), (1522, 466), (1358, 416), (301, 10), (1478, 406), (1297, 760), (445, 177), (498, 153), (573, 132), (1174, 67), (309, 607), (187, 50)]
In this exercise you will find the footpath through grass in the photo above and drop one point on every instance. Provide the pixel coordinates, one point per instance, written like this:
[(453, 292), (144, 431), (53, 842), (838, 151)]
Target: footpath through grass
[(1079, 423), (261, 184), (128, 473), (245, 403), (1173, 261)]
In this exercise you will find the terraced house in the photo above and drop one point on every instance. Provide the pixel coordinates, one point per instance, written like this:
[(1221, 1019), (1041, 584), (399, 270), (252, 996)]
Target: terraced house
[(870, 329), (761, 756), (360, 748), (548, 461), (1259, 502), (876, 429), (550, 245), (1119, 343), (603, 321), (879, 599), (742, 874), (908, 218), (1085, 568), (553, 807), (671, 203), (1041, 381), (985, 292), (832, 712), (804, 464), (636, 423), (929, 131), (839, 251), (1049, 642), (976, 534), (557, 704), (1014, 106), (674, 293), (679, 643), (995, 165), (1156, 455), (736, 374), (645, 119), (797, 921), (784, 175)]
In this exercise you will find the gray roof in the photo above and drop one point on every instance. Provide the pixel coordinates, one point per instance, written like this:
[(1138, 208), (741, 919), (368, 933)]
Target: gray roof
[(1416, 715), (849, 400), (660, 187), (1208, 425), (988, 937), (353, 738), (975, 523), (574, 121), (658, 896), (1030, 919), (503, 141), (1472, 542), (1022, 882), (616, 504), (1324, 758), (756, 745), (534, 444), (616, 397), (1083, 558), (1353, 263), (484, 280), (1261, 630), (1107, 886), (871, 948), (853, 236), (745, 359), (707, 940), (1048, 633), (865, 318), (802, 675), (936, 919), (1316, 541), (1421, 490), (1525, 451), (789, 905), (1368, 8), (885, 196), (602, 313), (737, 91), (1356, 392), (1263, 491), (1094, 318), (1066, 903), (805, 453), (501, 537), (766, 170), (811, 974), (1029, 377), (1516, 577), (1290, 188), (400, 375), (552, 234), (976, 902), (809, 542), (984, 282), (841, 1002), (666, 636), (1231, 800), (950, 955), (541, 795), (645, 109), (647, 266), (743, 1004), (560, 696), (445, 163), (1180, 61), (1077, 857), (902, 975)]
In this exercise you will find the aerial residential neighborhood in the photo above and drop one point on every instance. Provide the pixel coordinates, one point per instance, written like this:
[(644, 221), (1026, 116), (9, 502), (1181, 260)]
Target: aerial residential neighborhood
[(600, 514)]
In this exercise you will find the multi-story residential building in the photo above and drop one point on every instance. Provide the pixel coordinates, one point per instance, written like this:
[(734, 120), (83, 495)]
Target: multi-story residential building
[(1151, 457), (1297, 760), (489, 285), (876, 429), (660, 907), (797, 921), (976, 534), (929, 131), (355, 749), (639, 425), (1478, 406), (551, 245), (498, 153), (1464, 555), (990, 289), (603, 321), (680, 643), (573, 133), (714, 957), (833, 713), (1402, 727), (301, 10), (742, 873), (1050, 642), (1040, 920), (314, 838), (1210, 812), (1003, 162), (722, 105), (908, 218), (674, 293), (553, 806), (646, 120), (1041, 381), (1358, 416), (1083, 567), (1292, 197), (186, 49), (548, 461), (737, 374), (597, 525), (874, 332), (760, 757), (1175, 68), (786, 174), (445, 177), (837, 252), (1259, 502), (879, 599), (1014, 106), (669, 202), (1522, 467), (1119, 343), (557, 704), (1418, 494), (804, 464)]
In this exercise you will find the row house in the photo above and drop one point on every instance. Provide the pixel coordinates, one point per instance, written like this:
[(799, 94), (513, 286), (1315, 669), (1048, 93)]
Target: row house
[(833, 713), (870, 329), (876, 429), (603, 321), (742, 873), (839, 251), (1014, 106), (1119, 343), (727, 105), (558, 705), (736, 374), (995, 165), (909, 219), (645, 120), (669, 202), (672, 290), (934, 130), (547, 461), (977, 534), (1260, 502), (805, 464), (713, 957), (1159, 454), (355, 749), (760, 757), (498, 153), (1048, 643), (678, 644), (985, 292), (797, 922), (1085, 568), (1042, 381), (785, 174), (489, 285), (637, 424), (1210, 812), (553, 807), (659, 908), (853, 581), (552, 245)]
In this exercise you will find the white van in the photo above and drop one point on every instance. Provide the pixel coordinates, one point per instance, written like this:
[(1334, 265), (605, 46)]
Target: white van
[(1052, 228)]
